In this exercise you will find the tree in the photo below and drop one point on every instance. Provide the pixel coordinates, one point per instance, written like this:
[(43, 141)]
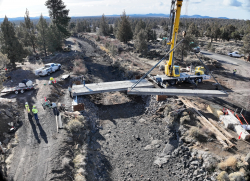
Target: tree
[(29, 32), (188, 44), (111, 29), (150, 34), (139, 25), (3, 60), (124, 30), (104, 27), (246, 47), (42, 37), (94, 27), (141, 41), (55, 38), (154, 35), (236, 36), (59, 17), (193, 30), (10, 44)]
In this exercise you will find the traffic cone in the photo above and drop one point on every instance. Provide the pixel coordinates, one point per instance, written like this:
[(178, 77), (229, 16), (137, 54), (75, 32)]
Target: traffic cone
[(45, 99)]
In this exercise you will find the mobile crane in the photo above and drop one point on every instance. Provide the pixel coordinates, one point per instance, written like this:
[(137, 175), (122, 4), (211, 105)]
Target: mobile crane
[(172, 72)]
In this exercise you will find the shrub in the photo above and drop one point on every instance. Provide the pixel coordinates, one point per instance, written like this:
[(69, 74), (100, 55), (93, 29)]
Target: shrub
[(230, 162), (197, 134), (79, 161), (79, 67), (236, 176), (75, 125), (223, 176)]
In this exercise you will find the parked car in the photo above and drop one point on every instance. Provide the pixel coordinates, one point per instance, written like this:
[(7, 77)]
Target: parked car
[(48, 69), (196, 49), (235, 54)]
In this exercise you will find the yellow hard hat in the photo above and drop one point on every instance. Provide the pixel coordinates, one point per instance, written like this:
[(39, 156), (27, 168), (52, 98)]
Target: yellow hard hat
[(34, 106)]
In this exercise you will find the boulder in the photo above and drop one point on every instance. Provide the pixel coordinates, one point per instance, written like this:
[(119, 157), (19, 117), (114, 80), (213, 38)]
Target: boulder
[(170, 147), (161, 160)]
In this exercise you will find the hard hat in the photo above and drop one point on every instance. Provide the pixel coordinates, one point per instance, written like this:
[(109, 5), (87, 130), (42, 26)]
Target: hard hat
[(26, 102), (34, 106)]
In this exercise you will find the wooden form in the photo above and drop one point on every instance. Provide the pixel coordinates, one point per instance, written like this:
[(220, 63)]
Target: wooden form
[(220, 137), (225, 132)]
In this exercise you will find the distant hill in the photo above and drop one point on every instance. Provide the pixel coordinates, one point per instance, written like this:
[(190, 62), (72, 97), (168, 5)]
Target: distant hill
[(22, 18), (131, 15)]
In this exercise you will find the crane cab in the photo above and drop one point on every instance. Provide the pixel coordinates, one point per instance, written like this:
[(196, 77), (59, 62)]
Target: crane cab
[(199, 70), (175, 73)]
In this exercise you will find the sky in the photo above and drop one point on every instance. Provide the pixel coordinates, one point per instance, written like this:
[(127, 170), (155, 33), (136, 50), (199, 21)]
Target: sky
[(233, 9)]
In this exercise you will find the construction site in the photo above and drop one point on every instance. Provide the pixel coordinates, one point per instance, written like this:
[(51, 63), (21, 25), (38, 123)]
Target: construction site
[(128, 117)]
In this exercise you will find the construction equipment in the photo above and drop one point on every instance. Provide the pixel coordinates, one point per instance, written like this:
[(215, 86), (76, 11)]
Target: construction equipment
[(67, 48), (172, 72), (199, 70), (22, 87)]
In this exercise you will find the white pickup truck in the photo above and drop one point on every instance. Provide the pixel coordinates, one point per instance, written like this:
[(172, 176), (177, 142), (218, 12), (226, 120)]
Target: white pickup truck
[(48, 69), (235, 54)]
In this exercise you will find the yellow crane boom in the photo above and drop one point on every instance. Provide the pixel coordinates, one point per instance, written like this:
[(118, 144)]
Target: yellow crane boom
[(170, 69)]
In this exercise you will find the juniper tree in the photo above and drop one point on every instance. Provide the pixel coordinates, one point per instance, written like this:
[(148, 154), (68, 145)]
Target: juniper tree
[(246, 47), (60, 21), (43, 34), (10, 44), (124, 29), (103, 27), (141, 41), (29, 32)]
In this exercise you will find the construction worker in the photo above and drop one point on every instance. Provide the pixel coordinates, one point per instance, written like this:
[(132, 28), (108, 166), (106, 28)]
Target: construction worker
[(52, 80), (35, 111), (27, 107), (70, 89), (234, 72)]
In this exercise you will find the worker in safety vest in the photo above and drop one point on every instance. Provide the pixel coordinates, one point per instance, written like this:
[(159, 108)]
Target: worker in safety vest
[(52, 80), (27, 107), (234, 72), (35, 111)]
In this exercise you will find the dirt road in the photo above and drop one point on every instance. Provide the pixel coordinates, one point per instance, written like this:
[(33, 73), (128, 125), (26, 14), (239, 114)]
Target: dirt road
[(37, 155), (239, 84)]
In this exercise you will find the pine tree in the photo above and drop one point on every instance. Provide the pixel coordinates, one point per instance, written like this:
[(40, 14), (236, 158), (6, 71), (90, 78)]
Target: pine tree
[(94, 27), (104, 27), (124, 30), (10, 44), (29, 32), (42, 37), (141, 41), (246, 47), (111, 29), (55, 38), (59, 16)]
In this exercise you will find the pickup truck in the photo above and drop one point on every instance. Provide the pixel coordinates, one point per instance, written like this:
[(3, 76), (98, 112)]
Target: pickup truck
[(235, 54), (48, 69)]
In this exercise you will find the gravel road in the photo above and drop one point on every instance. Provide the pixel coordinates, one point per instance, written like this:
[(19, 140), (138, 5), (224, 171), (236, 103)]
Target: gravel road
[(226, 59), (37, 155), (239, 85)]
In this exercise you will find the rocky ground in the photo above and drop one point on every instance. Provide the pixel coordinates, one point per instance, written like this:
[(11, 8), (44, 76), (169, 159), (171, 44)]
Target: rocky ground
[(123, 137)]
